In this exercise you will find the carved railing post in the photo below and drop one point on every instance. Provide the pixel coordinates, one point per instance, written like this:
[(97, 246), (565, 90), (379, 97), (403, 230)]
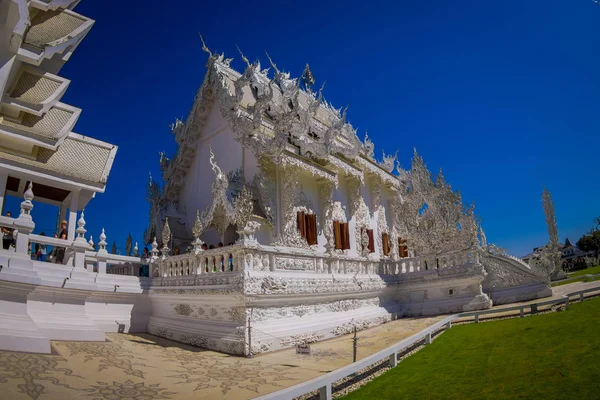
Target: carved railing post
[(24, 224), (102, 253), (79, 244), (20, 265)]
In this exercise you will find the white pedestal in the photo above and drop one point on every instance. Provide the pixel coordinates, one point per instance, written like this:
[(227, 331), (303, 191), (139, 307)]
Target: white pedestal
[(18, 332), (81, 279), (61, 314), (20, 269)]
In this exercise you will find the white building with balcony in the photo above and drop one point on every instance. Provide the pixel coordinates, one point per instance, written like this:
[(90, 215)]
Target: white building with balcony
[(42, 157)]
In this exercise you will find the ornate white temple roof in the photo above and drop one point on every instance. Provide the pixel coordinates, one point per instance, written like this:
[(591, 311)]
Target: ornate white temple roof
[(51, 26), (47, 28), (77, 157), (34, 89), (50, 127)]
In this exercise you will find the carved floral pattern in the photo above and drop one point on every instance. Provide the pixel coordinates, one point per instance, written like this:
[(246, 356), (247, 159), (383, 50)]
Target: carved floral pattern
[(129, 390), (33, 371)]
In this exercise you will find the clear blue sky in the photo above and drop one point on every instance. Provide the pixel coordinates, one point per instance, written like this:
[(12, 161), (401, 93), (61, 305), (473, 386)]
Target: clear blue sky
[(503, 95)]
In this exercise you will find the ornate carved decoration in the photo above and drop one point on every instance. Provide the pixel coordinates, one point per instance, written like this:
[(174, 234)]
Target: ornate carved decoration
[(220, 213), (314, 171), (382, 227), (431, 216), (389, 162), (264, 184), (362, 217), (290, 200), (368, 147), (349, 170), (354, 195), (299, 264), (369, 166)]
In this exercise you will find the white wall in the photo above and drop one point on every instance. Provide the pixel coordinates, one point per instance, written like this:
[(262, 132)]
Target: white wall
[(196, 193)]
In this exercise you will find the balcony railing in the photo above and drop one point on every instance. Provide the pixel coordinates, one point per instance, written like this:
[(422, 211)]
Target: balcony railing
[(77, 267), (237, 258)]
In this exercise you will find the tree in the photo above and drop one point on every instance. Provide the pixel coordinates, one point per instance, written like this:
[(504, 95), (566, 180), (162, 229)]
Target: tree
[(591, 241)]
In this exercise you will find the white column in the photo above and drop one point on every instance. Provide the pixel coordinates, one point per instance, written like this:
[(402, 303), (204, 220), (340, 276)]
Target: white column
[(73, 214), (3, 179), (20, 265)]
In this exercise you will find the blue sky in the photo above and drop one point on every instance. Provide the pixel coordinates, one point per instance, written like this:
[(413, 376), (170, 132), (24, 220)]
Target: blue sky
[(504, 96)]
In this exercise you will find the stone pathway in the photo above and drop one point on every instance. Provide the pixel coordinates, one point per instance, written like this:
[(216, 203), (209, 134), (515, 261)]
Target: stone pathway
[(147, 367)]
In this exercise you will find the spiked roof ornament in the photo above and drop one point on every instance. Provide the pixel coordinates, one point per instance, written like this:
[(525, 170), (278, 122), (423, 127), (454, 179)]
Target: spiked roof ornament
[(244, 58), (307, 78), (206, 49)]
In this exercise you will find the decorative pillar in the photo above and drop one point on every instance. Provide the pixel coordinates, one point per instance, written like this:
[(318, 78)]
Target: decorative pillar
[(102, 253), (153, 259), (20, 264), (73, 214), (80, 277), (80, 245), (24, 224), (154, 251)]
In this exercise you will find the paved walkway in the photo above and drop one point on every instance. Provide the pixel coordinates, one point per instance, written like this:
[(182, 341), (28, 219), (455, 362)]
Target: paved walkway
[(145, 367)]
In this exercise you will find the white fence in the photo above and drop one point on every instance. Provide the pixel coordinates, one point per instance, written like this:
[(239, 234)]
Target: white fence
[(325, 383), (82, 266)]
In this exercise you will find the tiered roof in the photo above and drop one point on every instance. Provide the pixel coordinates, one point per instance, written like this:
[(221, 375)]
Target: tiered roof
[(37, 127)]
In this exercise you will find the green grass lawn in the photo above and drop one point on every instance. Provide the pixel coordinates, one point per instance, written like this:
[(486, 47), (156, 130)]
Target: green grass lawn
[(550, 356), (591, 271)]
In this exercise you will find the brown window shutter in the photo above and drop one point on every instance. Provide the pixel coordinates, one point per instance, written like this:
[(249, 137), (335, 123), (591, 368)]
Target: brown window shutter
[(311, 229), (402, 248), (301, 221), (346, 235), (371, 241), (337, 234), (386, 244)]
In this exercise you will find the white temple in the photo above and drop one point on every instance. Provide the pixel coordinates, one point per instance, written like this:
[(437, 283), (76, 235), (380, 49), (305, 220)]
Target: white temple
[(326, 237), (319, 237)]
